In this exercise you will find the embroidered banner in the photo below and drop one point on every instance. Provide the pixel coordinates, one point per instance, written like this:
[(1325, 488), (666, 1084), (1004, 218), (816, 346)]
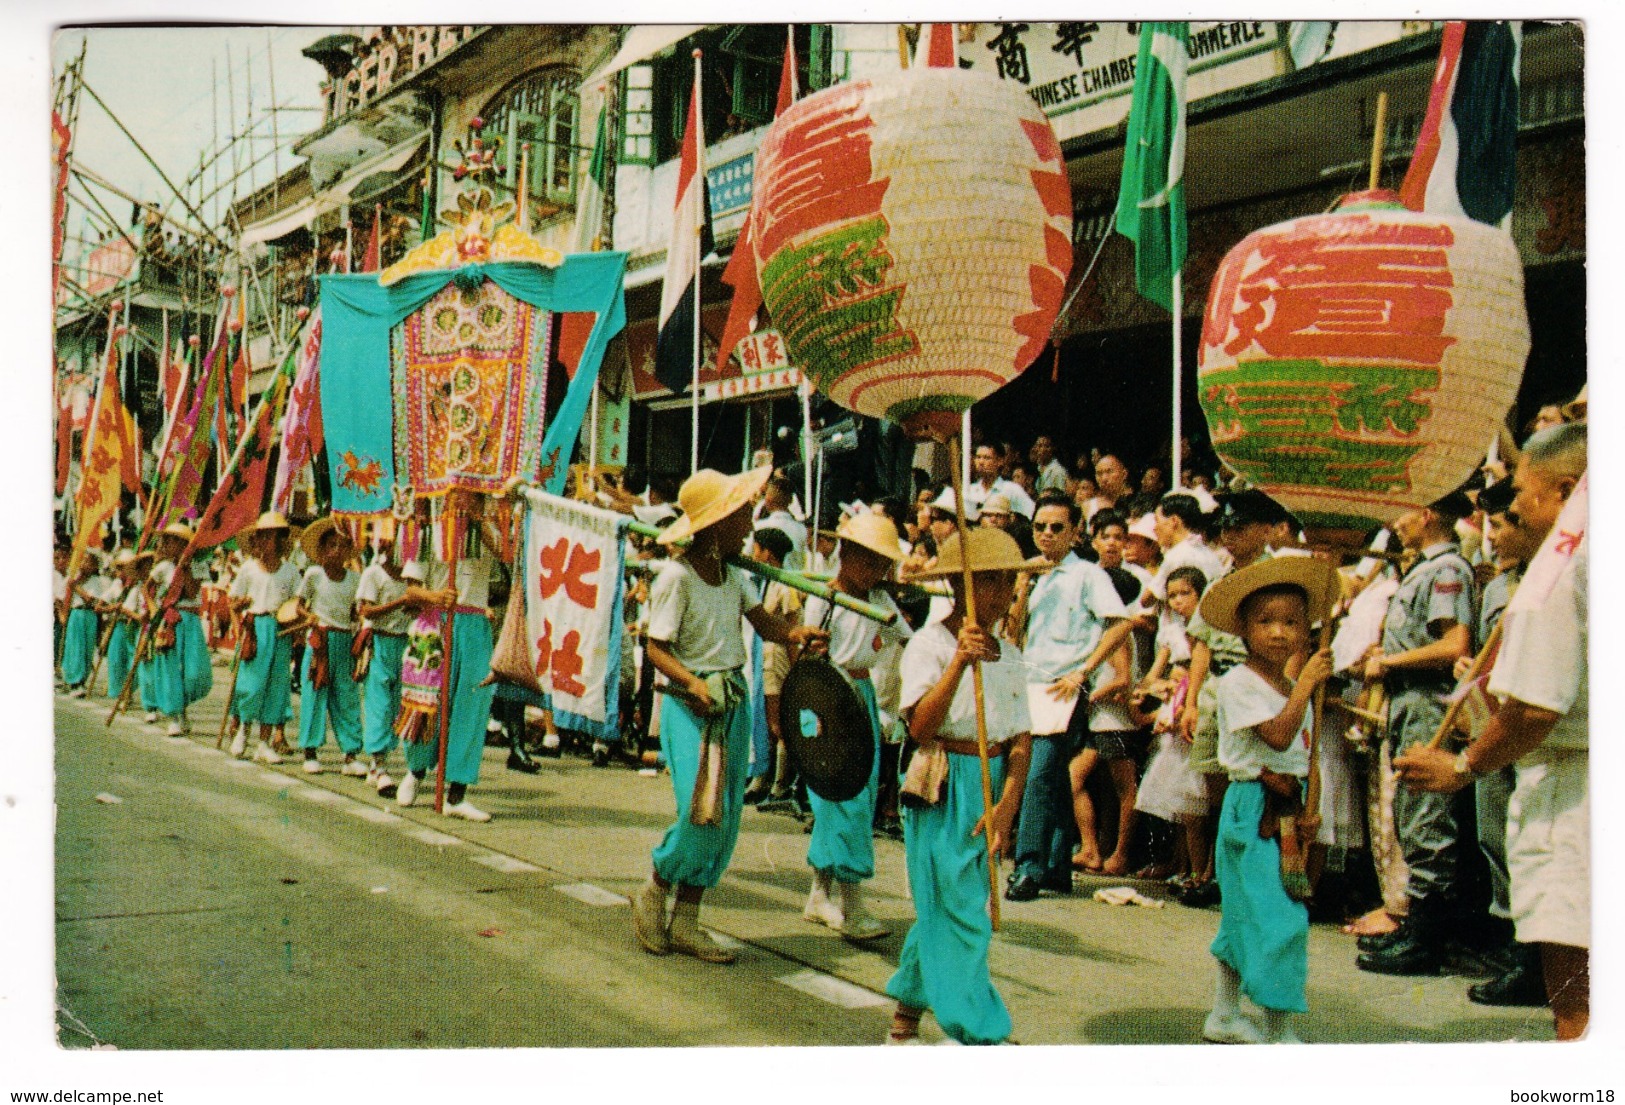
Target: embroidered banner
[(573, 574)]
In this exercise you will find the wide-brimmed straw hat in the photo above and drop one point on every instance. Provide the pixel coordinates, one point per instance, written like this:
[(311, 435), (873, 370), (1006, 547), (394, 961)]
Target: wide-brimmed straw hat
[(997, 503), (270, 521), (874, 532), (991, 550), (129, 557), (179, 530), (709, 496), (311, 539), (1316, 576)]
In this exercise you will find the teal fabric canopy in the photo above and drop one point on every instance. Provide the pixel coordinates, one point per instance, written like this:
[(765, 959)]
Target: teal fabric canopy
[(358, 315)]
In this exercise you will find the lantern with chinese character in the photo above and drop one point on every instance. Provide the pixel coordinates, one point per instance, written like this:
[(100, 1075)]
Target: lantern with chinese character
[(912, 237), (1355, 365)]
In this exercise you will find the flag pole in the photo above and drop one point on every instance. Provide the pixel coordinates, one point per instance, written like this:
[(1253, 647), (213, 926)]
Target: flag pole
[(1177, 296), (699, 237)]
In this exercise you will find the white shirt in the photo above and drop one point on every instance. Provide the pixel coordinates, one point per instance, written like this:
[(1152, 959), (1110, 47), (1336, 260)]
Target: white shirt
[(856, 642), (1171, 636), (331, 600), (976, 493), (1053, 477), (265, 590), (785, 522), (1004, 687), (379, 588), (134, 601), (473, 579), (1542, 661), (699, 623), (59, 586), (1192, 551), (1246, 701)]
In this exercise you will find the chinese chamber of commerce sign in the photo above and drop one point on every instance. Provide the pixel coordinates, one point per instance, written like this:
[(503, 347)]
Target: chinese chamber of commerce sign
[(1068, 67)]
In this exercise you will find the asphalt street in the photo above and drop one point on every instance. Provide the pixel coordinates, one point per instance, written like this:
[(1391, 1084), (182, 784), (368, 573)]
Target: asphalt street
[(205, 902)]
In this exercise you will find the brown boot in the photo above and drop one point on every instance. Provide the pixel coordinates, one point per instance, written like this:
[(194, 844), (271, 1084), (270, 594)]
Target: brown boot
[(649, 918), (689, 938)]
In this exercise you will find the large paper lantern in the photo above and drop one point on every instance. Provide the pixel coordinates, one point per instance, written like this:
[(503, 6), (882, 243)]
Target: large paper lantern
[(912, 236), (1355, 365)]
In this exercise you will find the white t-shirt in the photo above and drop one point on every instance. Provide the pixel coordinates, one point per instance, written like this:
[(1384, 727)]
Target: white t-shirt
[(378, 588), (265, 590), (59, 586), (473, 579), (1246, 700), (1171, 635), (1542, 660), (1004, 687), (134, 601), (1190, 552), (856, 642), (331, 600), (1107, 717), (697, 622)]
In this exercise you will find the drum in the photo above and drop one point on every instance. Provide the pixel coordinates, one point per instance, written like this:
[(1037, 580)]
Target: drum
[(827, 730), (287, 613)]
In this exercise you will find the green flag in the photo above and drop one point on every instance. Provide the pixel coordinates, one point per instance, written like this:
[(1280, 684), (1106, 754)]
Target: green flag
[(590, 203), (1151, 201)]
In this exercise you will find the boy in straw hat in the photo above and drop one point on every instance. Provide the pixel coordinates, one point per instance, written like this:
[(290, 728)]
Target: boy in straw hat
[(181, 672), (130, 613), (696, 642), (842, 850), (263, 583), (328, 690), (381, 601), (1262, 946), (86, 597), (943, 966)]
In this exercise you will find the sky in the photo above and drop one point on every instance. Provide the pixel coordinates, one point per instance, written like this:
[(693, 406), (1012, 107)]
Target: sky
[(169, 86)]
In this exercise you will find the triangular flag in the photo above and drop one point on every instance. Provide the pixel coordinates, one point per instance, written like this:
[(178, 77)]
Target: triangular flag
[(238, 499), (1151, 201)]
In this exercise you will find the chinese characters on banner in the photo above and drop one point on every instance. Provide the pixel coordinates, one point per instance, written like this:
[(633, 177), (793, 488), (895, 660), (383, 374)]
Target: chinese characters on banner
[(573, 576)]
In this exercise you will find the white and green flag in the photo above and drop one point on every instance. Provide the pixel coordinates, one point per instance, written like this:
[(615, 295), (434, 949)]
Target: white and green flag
[(1151, 201), (590, 204)]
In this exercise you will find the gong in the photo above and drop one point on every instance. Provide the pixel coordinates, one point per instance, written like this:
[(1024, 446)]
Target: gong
[(827, 729)]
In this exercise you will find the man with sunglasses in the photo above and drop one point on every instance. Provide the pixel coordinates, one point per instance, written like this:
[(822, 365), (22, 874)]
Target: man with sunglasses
[(1074, 621)]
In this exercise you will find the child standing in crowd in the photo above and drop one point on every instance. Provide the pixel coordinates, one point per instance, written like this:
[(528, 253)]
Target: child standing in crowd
[(181, 671), (943, 967), (128, 617), (263, 583), (1171, 790), (842, 850), (696, 642), (1262, 946), (80, 636), (329, 692), (381, 601)]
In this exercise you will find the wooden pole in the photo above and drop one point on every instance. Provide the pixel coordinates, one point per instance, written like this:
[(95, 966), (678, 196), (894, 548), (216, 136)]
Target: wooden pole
[(1378, 140), (976, 677), (1311, 802), (231, 692), (453, 534), (1467, 680)]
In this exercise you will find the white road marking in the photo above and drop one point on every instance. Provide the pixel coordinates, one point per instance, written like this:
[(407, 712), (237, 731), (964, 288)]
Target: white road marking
[(375, 815), (506, 864), (429, 836), (592, 895), (318, 795), (833, 990)]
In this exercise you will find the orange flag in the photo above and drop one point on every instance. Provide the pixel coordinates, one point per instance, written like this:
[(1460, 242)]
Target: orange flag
[(103, 462)]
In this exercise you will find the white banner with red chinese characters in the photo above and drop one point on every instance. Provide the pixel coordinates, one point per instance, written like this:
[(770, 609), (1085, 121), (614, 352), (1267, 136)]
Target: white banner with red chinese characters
[(573, 574)]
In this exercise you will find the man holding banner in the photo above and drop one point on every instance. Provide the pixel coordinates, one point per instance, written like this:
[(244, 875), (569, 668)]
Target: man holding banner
[(1542, 726)]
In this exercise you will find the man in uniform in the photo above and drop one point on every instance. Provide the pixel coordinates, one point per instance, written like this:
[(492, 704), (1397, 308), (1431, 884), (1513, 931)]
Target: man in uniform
[(1428, 627)]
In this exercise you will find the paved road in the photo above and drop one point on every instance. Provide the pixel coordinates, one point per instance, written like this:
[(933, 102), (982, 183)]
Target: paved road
[(220, 904)]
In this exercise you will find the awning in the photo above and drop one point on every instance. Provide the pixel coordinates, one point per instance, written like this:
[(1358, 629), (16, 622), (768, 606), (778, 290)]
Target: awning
[(330, 199), (641, 42)]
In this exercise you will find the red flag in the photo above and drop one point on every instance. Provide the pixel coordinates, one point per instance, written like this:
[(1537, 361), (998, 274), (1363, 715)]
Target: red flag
[(371, 258), (238, 499), (302, 428), (189, 446), (64, 448), (740, 275), (240, 368)]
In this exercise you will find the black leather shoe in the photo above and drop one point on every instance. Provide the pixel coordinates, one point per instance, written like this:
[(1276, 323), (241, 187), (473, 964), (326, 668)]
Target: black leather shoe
[(1057, 883), (1415, 954), (1200, 896), (1022, 888), (1376, 942), (1522, 985), (600, 754), (758, 790), (518, 761)]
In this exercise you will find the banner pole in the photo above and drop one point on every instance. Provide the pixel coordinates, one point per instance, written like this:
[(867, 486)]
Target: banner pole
[(699, 273), (1177, 295)]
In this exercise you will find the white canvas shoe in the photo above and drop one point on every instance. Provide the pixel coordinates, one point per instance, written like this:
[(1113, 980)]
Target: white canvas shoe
[(354, 767), (152, 717), (382, 782), (313, 766), (265, 754), (239, 743), (1233, 1029), (407, 792), (465, 809)]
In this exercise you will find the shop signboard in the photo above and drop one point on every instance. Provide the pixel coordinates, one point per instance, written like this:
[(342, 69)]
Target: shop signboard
[(729, 184)]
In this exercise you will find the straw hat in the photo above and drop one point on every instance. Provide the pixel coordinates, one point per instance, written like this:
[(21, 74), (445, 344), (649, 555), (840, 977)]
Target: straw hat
[(310, 540), (991, 550), (709, 496), (1575, 409), (1316, 576), (874, 532), (267, 522), (997, 503), (180, 530), (130, 558)]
